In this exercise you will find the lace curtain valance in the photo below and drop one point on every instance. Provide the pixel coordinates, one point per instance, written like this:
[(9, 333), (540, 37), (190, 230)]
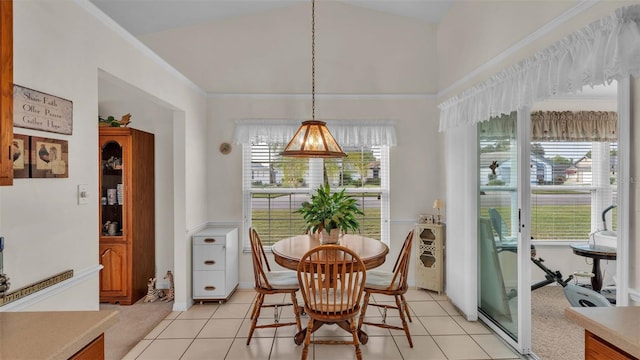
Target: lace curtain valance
[(605, 50), (346, 132), (558, 126)]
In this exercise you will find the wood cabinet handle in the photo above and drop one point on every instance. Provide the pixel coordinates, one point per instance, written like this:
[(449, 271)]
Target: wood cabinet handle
[(209, 240), (209, 262), (209, 288)]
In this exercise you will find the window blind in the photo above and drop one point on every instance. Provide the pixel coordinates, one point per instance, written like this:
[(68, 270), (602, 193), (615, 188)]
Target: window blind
[(572, 182), (274, 187)]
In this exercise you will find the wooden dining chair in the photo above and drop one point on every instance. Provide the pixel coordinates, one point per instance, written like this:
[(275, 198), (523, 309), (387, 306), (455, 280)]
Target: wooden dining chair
[(394, 284), (331, 279), (267, 282)]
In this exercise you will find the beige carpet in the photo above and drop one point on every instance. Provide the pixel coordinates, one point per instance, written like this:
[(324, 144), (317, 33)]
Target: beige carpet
[(136, 321), (553, 337)]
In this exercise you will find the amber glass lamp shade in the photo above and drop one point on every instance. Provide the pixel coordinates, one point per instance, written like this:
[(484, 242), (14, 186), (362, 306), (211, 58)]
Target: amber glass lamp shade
[(313, 139)]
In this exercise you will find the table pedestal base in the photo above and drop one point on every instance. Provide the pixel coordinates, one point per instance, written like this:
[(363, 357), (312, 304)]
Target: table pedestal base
[(346, 325)]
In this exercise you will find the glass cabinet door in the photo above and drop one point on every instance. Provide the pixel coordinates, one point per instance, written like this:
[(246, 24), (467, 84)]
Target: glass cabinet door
[(111, 179)]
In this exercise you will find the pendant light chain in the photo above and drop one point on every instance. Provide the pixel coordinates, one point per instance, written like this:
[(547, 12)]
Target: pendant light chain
[(313, 139), (313, 59)]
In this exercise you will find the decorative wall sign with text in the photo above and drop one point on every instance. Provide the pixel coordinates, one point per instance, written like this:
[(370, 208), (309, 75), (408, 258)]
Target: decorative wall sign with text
[(36, 110)]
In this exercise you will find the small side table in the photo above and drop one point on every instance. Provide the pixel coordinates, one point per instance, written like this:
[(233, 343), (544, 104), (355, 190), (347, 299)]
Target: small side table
[(596, 252)]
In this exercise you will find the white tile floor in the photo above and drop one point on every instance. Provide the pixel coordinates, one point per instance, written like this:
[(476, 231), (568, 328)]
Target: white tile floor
[(219, 331)]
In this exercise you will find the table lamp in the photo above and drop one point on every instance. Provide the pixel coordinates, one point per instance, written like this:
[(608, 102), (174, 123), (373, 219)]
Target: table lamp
[(438, 204)]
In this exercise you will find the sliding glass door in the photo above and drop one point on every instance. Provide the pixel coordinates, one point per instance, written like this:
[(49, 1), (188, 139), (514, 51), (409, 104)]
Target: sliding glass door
[(502, 165)]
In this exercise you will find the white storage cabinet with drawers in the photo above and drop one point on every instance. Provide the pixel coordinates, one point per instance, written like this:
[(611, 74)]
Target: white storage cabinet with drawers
[(215, 263)]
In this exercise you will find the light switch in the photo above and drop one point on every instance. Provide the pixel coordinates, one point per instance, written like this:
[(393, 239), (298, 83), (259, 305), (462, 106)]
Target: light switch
[(83, 194)]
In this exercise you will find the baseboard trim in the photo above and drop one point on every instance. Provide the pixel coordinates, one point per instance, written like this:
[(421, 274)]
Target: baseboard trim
[(30, 300), (634, 294), (180, 306)]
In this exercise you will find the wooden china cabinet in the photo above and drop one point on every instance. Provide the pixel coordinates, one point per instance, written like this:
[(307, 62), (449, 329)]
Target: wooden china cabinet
[(127, 215)]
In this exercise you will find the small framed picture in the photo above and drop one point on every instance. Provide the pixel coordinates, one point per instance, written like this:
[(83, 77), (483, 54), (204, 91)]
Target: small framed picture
[(426, 218), (49, 158), (20, 156)]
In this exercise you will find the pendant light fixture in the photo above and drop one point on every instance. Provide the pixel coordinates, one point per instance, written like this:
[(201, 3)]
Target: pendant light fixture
[(313, 138)]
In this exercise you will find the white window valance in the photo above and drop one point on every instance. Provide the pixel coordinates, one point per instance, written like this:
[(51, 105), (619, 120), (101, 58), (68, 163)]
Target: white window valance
[(599, 126), (346, 132), (605, 50)]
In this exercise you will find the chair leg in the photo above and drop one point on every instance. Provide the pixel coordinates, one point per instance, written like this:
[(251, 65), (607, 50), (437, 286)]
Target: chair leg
[(406, 307), (307, 339), (363, 311), (404, 321), (255, 308), (296, 310), (254, 321), (356, 343)]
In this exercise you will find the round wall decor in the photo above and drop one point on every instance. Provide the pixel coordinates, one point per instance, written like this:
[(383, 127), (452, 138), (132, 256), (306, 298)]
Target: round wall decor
[(225, 148)]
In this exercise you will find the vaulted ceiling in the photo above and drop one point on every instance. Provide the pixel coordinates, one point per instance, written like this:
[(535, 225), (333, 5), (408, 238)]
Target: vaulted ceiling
[(143, 17), (264, 46)]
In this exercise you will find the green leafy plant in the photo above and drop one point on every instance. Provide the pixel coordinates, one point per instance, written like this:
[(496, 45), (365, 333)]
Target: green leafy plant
[(330, 211), (109, 121)]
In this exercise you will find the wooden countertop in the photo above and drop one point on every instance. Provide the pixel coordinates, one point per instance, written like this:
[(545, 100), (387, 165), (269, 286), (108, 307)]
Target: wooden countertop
[(617, 325), (50, 334)]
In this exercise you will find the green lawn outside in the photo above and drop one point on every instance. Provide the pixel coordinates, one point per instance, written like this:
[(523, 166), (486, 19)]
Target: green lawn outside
[(557, 222)]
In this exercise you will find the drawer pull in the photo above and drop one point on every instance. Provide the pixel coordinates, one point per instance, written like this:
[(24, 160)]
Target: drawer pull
[(209, 288), (209, 240), (209, 262)]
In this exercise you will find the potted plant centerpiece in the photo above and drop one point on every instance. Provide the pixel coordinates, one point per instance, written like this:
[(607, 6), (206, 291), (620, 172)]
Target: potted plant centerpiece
[(329, 214)]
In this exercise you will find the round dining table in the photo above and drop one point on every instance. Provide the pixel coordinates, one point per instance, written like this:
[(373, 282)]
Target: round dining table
[(288, 252)]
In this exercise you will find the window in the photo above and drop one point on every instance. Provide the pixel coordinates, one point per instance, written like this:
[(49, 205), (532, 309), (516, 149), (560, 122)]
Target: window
[(577, 184), (275, 186), (573, 164)]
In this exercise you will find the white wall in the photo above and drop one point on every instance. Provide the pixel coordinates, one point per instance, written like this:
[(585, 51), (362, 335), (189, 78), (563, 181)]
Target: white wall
[(478, 38), (358, 51), (59, 48), (462, 214)]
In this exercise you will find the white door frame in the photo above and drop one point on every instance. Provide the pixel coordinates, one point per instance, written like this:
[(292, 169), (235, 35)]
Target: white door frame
[(624, 180)]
